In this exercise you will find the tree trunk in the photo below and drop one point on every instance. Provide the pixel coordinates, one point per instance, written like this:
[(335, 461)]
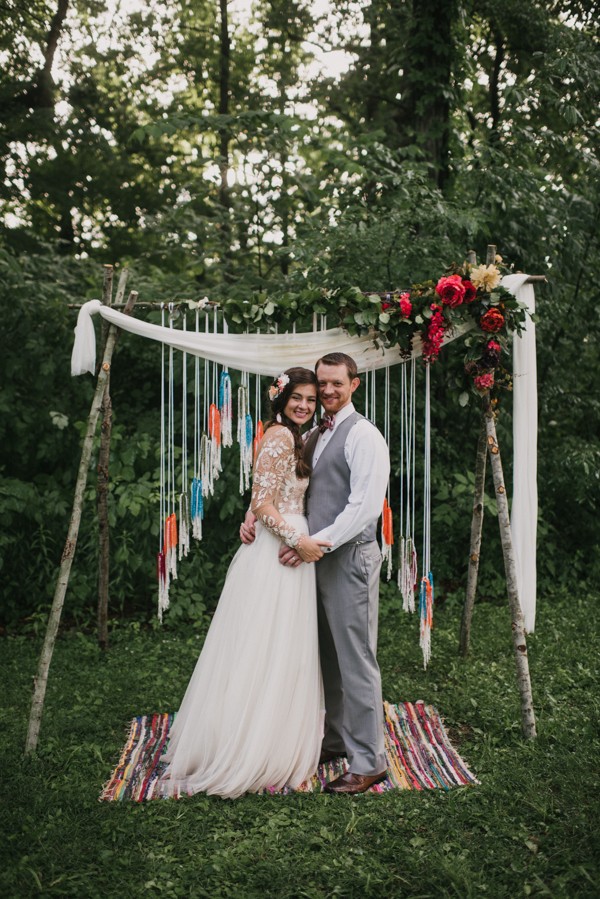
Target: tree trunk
[(42, 95), (517, 623), (224, 133), (475, 549), (423, 115), (41, 679), (284, 210), (494, 91)]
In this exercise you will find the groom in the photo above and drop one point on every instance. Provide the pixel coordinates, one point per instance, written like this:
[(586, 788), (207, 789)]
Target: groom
[(351, 467)]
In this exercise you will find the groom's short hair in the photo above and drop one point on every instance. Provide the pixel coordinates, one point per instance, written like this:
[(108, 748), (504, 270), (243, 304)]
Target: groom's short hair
[(339, 359)]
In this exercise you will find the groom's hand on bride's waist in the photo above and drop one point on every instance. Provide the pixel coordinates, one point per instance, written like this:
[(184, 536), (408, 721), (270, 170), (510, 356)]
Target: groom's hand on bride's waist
[(288, 556)]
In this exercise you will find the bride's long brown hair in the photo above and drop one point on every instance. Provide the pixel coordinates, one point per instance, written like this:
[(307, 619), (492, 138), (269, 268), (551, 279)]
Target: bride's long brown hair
[(297, 376)]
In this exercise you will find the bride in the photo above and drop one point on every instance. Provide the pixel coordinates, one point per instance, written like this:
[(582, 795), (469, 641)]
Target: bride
[(252, 715)]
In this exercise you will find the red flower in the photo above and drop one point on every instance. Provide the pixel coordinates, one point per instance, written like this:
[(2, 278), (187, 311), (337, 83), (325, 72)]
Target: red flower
[(451, 290), (470, 291), (492, 321), (405, 304), (434, 336), (491, 354), (385, 306), (484, 382)]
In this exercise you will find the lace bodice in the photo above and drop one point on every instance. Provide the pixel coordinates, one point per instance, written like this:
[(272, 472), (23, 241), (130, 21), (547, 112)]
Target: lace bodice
[(276, 488)]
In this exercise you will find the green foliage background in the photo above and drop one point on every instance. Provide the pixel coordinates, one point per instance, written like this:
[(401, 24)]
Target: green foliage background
[(225, 166)]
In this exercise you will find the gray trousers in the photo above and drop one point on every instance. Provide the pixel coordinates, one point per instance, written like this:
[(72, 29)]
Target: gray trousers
[(348, 605)]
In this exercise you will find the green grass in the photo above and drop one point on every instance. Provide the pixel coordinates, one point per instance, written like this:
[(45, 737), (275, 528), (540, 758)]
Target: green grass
[(530, 828)]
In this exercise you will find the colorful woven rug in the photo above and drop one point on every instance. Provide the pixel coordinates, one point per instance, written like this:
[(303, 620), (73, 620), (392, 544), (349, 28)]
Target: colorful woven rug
[(419, 753)]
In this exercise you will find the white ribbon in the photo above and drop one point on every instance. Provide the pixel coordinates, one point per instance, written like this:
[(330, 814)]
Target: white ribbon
[(83, 357), (523, 519), (261, 354)]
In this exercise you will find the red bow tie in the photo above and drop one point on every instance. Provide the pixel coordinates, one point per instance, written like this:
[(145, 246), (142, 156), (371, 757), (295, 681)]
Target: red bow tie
[(326, 423)]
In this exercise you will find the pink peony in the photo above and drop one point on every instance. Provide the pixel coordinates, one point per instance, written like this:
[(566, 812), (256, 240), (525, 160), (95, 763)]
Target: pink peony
[(484, 382), (451, 290)]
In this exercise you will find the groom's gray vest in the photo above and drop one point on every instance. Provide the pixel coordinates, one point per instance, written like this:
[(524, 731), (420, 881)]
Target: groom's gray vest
[(329, 486)]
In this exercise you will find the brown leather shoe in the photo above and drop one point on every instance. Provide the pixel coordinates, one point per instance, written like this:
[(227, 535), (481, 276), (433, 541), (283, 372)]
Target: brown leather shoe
[(354, 783), (328, 756)]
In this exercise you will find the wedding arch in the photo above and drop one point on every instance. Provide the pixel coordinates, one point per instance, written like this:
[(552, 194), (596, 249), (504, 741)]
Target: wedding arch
[(380, 330)]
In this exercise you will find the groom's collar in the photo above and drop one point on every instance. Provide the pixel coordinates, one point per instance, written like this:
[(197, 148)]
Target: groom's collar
[(344, 413)]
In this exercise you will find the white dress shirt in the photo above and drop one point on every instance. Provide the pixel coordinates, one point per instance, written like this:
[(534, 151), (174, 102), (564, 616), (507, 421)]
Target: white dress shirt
[(368, 459)]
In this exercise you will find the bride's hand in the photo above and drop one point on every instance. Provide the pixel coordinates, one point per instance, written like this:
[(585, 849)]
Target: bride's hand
[(309, 549), (248, 528)]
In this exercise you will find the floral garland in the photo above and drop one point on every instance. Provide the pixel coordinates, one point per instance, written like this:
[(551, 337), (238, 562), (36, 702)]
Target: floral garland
[(466, 293)]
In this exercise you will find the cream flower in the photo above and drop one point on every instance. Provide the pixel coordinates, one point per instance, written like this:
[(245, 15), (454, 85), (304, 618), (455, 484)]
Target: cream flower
[(486, 277), (280, 384)]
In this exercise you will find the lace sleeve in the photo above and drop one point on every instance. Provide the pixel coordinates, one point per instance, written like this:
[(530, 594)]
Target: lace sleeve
[(275, 463)]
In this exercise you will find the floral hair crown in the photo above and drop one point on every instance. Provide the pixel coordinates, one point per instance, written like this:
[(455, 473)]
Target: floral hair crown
[(278, 385)]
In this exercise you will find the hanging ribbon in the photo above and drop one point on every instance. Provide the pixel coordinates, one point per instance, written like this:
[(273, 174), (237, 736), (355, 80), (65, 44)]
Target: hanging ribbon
[(197, 509), (244, 435), (214, 430), (387, 536), (260, 433), (387, 521), (226, 409), (407, 555), (206, 467), (426, 598), (170, 545), (214, 423), (161, 567), (196, 506), (163, 584), (184, 512), (184, 526)]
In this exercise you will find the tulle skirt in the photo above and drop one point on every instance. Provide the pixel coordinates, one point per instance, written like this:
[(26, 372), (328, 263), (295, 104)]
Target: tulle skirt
[(252, 715)]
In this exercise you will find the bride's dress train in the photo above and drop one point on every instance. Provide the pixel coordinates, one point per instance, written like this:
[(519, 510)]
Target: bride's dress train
[(252, 715)]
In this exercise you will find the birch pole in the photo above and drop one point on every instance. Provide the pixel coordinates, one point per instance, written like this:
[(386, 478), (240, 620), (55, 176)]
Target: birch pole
[(476, 520), (475, 547), (517, 621), (40, 681), (478, 509), (102, 488)]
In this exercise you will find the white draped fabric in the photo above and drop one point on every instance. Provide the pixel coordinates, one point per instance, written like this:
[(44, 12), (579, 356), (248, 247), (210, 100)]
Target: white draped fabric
[(523, 518), (260, 354), (269, 354)]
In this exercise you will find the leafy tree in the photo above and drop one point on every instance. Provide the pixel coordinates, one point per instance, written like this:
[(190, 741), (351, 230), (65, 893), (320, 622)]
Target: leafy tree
[(196, 148)]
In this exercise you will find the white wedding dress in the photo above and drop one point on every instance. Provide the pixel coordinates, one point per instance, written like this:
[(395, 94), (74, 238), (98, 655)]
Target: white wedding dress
[(252, 715)]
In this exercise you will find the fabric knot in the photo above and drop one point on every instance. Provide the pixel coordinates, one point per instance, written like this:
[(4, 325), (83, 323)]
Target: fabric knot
[(326, 423)]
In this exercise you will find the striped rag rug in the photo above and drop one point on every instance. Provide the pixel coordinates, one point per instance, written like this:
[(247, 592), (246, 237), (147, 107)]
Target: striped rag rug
[(419, 753)]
